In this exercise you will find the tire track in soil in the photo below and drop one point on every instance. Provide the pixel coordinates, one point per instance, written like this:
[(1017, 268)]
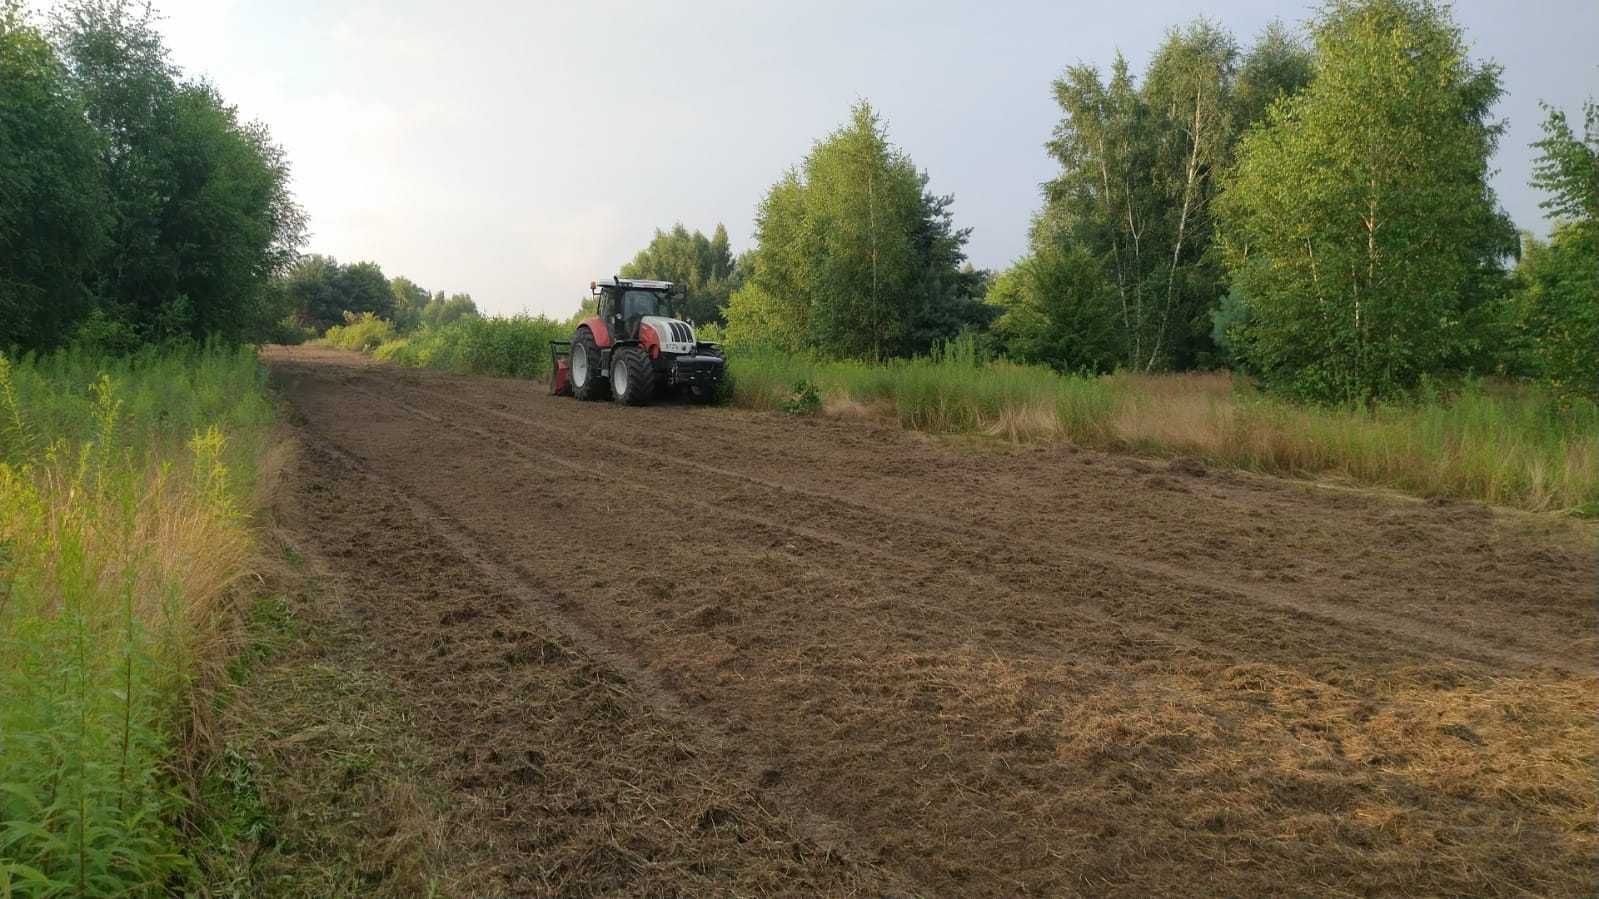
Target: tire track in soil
[(985, 743), (1403, 556), (1364, 621), (830, 845)]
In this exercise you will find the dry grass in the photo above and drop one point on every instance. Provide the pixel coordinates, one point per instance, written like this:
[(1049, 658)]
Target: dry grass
[(322, 789)]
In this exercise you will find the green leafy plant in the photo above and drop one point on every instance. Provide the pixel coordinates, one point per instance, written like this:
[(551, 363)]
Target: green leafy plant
[(805, 400)]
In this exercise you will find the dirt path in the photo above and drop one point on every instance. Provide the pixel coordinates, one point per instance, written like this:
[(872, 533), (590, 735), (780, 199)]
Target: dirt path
[(679, 651)]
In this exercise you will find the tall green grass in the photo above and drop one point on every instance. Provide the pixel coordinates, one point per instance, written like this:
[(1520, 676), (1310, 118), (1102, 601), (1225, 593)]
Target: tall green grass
[(517, 347), (124, 486), (1504, 444)]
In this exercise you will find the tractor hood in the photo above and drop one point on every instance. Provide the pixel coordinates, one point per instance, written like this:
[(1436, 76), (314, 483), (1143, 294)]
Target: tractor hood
[(676, 336)]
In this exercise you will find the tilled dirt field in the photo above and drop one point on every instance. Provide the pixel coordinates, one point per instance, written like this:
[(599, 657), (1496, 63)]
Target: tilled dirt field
[(683, 651)]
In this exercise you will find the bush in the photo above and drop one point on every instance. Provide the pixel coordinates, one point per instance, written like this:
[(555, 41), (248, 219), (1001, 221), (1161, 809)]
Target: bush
[(364, 332), (804, 401)]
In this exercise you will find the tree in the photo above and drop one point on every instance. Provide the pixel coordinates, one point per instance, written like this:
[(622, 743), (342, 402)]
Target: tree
[(1189, 92), (1279, 65), (52, 224), (703, 266), (1058, 309), (1358, 218), (443, 310), (1139, 166), (200, 215), (409, 301), (319, 291), (1568, 167), (853, 255), (1556, 296)]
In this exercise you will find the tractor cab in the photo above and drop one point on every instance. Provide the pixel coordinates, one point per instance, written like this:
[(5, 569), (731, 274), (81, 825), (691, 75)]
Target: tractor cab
[(624, 304)]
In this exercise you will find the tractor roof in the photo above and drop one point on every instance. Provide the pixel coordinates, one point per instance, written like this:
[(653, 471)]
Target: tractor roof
[(632, 283)]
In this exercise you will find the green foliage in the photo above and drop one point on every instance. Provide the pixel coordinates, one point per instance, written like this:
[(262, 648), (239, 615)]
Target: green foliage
[(1359, 219), (364, 332), (1131, 206), (703, 266), (1058, 309), (854, 257), (121, 488), (1279, 65), (443, 310), (52, 202), (1230, 329), (409, 302), (804, 400), (127, 191), (319, 291), (201, 215), (1556, 297), (516, 347), (1568, 166), (1556, 309)]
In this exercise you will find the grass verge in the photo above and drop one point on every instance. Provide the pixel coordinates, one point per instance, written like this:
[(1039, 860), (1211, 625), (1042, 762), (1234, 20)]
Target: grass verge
[(126, 487), (1507, 445)]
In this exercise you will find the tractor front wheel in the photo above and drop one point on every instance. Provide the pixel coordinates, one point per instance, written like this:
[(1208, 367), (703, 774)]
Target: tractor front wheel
[(587, 381), (632, 376)]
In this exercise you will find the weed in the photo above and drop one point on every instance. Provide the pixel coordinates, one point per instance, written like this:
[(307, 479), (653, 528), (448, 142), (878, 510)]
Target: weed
[(804, 401)]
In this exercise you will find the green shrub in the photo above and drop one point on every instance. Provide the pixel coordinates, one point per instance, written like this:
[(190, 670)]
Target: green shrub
[(804, 401), (364, 332), (517, 347)]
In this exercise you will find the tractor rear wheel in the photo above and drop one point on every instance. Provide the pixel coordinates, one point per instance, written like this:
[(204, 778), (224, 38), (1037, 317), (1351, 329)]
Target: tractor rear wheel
[(587, 380), (632, 376)]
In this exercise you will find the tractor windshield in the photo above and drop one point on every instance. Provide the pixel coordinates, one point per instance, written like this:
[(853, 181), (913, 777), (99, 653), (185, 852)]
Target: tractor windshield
[(638, 303)]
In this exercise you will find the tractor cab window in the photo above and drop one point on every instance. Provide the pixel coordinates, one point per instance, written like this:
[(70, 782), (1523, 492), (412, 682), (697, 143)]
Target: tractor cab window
[(638, 303)]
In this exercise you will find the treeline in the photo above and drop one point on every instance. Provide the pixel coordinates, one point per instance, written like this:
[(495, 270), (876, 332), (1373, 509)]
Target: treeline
[(319, 292), (135, 205), (1312, 211)]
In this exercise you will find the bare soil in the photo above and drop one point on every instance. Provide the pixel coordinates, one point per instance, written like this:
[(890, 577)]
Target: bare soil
[(684, 651)]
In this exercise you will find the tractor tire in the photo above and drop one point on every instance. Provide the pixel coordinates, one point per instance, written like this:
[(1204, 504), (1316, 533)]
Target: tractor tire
[(588, 382), (632, 376)]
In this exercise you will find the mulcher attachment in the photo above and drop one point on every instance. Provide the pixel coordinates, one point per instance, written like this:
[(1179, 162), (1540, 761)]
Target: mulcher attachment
[(560, 368)]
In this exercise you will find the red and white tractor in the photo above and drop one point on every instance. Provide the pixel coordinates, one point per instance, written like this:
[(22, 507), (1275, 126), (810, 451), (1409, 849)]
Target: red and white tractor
[(635, 348)]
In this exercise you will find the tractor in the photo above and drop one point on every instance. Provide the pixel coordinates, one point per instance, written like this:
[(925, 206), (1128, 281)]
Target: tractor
[(634, 349)]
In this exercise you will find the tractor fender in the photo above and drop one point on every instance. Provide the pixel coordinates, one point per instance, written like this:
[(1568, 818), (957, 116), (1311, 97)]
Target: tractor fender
[(602, 334)]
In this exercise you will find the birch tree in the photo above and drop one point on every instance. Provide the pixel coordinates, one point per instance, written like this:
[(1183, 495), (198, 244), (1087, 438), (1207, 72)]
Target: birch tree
[(1355, 217), (1139, 166)]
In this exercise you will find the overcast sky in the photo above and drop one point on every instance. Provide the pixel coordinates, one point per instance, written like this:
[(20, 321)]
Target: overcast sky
[(517, 150)]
